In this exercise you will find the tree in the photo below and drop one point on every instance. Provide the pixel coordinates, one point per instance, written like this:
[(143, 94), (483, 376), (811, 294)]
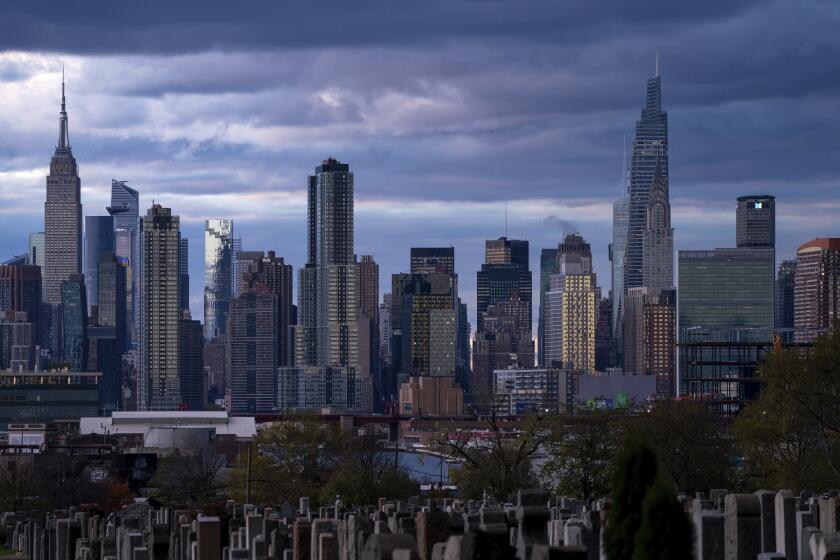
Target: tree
[(789, 436), (191, 480), (366, 474), (16, 486), (291, 459), (500, 466), (581, 450), (694, 448), (635, 473), (665, 531)]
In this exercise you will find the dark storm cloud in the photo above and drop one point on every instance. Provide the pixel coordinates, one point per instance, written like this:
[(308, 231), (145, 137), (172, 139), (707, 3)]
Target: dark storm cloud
[(446, 111), (164, 27)]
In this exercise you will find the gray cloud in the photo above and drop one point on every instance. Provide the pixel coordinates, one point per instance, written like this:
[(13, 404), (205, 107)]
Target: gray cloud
[(445, 110)]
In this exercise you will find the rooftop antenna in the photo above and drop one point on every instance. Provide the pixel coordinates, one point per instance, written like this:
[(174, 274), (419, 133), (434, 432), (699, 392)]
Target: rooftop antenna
[(657, 63)]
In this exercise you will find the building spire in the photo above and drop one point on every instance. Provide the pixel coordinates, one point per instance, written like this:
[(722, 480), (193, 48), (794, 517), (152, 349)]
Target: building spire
[(63, 132), (657, 63)]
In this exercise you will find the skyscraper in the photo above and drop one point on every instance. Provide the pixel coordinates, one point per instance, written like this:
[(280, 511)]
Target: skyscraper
[(650, 152), (99, 239), (726, 294), (218, 275), (618, 249), (74, 322), (111, 309), (36, 250), (252, 351), (571, 307), (62, 215), (425, 260), (125, 209), (756, 221), (327, 334), (191, 363), (817, 288), (258, 270), (21, 291), (505, 271), (548, 262), (785, 282), (367, 272), (658, 237), (504, 342), (725, 320), (650, 337), (367, 317), (184, 275), (159, 383)]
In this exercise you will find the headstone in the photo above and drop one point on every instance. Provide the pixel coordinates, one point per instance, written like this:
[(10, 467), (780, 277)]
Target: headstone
[(805, 542), (304, 506), (404, 554), (573, 532), (804, 519), (319, 527), (302, 539), (830, 515), (828, 547), (543, 552), (709, 533), (254, 527), (767, 501), (742, 526), (532, 516), (327, 546), (432, 527), (785, 505), (381, 547), (438, 551), (259, 548)]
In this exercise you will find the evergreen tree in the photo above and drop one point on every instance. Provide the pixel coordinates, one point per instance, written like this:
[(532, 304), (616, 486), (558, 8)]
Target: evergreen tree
[(665, 533), (634, 475)]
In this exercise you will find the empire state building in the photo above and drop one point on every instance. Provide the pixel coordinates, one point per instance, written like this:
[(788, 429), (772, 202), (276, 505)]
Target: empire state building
[(62, 215)]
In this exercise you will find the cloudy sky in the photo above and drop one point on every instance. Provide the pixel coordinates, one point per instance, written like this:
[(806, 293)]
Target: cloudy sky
[(446, 110)]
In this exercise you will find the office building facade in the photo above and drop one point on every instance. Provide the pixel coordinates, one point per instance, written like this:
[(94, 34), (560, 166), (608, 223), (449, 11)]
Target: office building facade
[(816, 288), (99, 239), (125, 210), (74, 322), (21, 291), (548, 264), (184, 275), (505, 271), (785, 284), (756, 221), (191, 364), (650, 338), (650, 153)]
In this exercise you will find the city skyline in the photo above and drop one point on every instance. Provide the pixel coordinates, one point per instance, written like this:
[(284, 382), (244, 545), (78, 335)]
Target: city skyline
[(196, 161)]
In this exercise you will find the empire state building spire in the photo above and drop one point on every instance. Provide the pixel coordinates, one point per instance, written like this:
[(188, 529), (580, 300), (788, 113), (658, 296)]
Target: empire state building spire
[(62, 216), (63, 132)]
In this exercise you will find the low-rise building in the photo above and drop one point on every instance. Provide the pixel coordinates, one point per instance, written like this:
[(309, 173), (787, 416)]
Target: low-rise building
[(431, 396), (47, 396)]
